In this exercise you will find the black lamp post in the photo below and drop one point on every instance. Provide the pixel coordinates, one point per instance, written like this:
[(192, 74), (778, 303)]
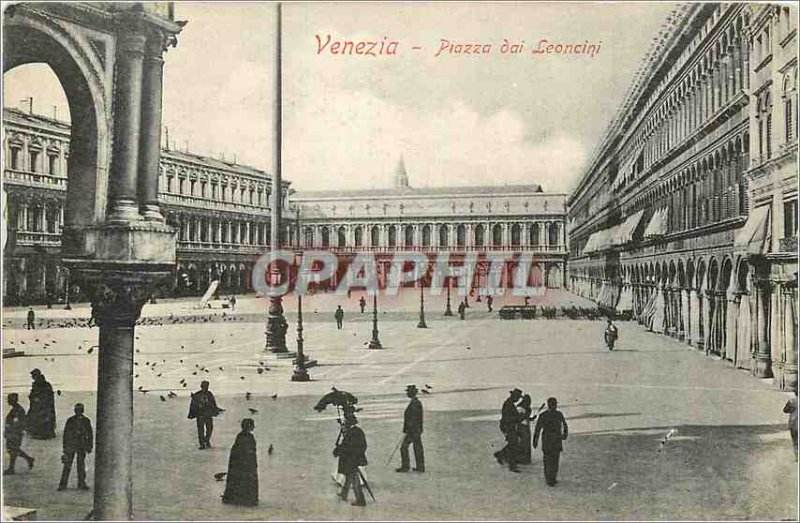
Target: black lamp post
[(67, 305), (448, 311), (421, 324), (300, 372), (375, 343)]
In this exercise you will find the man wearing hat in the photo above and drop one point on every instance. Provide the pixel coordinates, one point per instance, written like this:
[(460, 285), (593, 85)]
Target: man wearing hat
[(42, 411), (509, 418), (14, 433), (78, 441), (553, 426), (412, 428), (351, 452), (203, 408)]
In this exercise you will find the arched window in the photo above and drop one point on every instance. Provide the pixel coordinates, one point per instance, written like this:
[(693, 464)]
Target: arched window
[(426, 236), (479, 235), (444, 232), (326, 240), (515, 234), (553, 234), (359, 236), (497, 235), (408, 232), (535, 239), (308, 237), (461, 235), (341, 239), (392, 236), (375, 236)]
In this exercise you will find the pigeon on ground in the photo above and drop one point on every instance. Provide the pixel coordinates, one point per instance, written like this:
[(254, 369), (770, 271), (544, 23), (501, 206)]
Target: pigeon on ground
[(253, 411), (425, 391), (163, 398), (428, 386), (247, 395), (260, 370), (274, 396), (219, 476), (58, 392), (241, 377), (91, 349)]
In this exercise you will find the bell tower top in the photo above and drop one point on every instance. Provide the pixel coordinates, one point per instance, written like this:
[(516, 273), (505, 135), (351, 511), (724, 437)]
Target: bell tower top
[(400, 174)]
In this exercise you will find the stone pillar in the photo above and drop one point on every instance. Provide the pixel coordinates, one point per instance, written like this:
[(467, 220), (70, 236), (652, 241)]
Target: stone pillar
[(775, 318), (150, 135), (762, 366), (688, 316), (790, 335), (127, 107), (701, 313)]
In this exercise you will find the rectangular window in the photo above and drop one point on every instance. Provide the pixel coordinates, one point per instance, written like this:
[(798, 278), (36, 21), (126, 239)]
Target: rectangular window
[(52, 165), (790, 218), (203, 189), (788, 119), (768, 138), (34, 162), (14, 158)]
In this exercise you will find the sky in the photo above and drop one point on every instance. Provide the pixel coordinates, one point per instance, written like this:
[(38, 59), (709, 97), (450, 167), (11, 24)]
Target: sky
[(456, 119)]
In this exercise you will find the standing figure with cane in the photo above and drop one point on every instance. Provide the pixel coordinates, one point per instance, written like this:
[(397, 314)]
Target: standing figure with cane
[(351, 451), (412, 430)]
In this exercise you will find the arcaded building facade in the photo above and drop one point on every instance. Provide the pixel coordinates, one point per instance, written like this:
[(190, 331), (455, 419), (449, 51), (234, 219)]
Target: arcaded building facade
[(687, 215), (220, 211), (458, 220)]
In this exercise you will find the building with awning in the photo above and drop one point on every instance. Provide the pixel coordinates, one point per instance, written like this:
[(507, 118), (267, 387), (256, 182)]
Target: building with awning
[(625, 231), (657, 225), (754, 237)]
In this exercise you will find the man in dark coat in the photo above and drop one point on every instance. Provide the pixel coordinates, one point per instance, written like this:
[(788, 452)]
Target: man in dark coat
[(242, 481), (489, 301), (203, 408), (509, 419), (412, 428), (351, 452), (362, 303), (339, 315), (14, 433), (78, 441), (553, 427), (42, 412), (462, 309), (611, 334), (31, 319)]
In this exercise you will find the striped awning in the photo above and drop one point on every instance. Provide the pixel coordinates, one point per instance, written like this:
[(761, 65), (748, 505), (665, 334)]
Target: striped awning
[(754, 237), (625, 231), (658, 224)]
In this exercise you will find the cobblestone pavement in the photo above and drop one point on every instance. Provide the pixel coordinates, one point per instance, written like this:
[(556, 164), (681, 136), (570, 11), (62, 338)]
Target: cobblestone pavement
[(730, 458)]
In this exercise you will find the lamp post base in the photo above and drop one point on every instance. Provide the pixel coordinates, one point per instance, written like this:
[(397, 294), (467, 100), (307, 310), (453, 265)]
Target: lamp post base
[(375, 344), (422, 324)]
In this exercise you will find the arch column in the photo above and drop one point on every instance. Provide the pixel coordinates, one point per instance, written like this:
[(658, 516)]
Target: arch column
[(150, 136), (762, 366), (124, 204)]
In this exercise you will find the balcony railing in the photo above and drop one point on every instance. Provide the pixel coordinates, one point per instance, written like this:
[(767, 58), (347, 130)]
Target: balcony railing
[(788, 244), (197, 202), (241, 248), (547, 249), (18, 177), (47, 239)]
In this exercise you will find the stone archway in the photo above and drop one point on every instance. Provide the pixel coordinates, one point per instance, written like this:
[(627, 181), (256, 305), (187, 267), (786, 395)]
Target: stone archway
[(108, 59)]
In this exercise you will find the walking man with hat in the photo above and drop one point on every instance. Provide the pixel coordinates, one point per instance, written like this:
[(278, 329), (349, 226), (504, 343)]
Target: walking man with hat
[(553, 427), (351, 452), (509, 419), (412, 428)]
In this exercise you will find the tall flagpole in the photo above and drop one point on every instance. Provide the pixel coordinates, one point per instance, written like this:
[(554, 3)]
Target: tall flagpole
[(276, 323)]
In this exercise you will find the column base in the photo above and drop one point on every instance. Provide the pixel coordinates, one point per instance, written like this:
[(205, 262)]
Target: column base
[(300, 375), (375, 344), (152, 213), (124, 211), (422, 324), (762, 367), (448, 312)]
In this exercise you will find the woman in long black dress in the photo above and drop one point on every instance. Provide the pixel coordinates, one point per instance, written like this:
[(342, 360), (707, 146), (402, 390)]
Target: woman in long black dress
[(242, 479), (524, 409)]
